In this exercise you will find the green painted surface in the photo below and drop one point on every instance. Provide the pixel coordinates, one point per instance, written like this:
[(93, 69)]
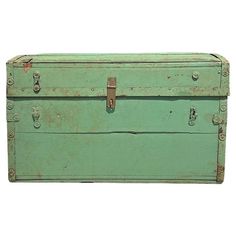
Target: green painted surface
[(93, 77), (116, 156), (155, 114), (147, 138), (122, 58), (91, 80)]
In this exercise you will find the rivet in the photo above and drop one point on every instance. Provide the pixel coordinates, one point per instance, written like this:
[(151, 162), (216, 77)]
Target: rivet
[(226, 72), (223, 107), (195, 75), (10, 81), (216, 120), (36, 88), (222, 136), (37, 124), (10, 105), (191, 123)]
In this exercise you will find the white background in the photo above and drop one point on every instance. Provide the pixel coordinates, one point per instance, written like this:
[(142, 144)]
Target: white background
[(117, 209)]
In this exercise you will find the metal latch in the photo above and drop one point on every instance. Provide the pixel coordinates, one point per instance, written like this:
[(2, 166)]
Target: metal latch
[(111, 93), (36, 116), (192, 116), (36, 85)]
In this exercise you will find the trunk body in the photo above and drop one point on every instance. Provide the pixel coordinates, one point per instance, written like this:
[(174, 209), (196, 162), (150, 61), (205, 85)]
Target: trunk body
[(117, 117)]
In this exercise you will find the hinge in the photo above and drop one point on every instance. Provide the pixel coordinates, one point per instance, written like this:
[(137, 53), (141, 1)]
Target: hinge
[(111, 93)]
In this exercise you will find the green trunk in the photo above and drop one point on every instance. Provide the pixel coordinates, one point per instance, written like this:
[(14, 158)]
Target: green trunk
[(161, 119)]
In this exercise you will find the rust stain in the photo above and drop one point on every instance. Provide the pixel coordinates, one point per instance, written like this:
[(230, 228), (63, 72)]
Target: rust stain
[(220, 173), (27, 67), (49, 119), (220, 169)]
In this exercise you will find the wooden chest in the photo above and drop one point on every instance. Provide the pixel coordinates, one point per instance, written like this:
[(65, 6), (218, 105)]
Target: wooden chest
[(117, 117)]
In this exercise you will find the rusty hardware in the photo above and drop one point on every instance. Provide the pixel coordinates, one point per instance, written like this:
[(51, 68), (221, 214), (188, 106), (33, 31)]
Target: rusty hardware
[(217, 119), (36, 86), (192, 116), (220, 173), (195, 75), (36, 116), (111, 93), (11, 175)]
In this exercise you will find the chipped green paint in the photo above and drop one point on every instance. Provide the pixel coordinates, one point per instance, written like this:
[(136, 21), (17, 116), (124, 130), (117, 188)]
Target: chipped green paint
[(60, 130)]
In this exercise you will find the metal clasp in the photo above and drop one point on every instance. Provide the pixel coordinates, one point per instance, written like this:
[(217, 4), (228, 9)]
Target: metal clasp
[(36, 86), (35, 116), (111, 93), (192, 116)]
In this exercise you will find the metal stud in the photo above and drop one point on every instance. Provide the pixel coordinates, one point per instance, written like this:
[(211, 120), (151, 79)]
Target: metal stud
[(221, 136), (226, 72), (10, 81), (10, 105), (223, 108)]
